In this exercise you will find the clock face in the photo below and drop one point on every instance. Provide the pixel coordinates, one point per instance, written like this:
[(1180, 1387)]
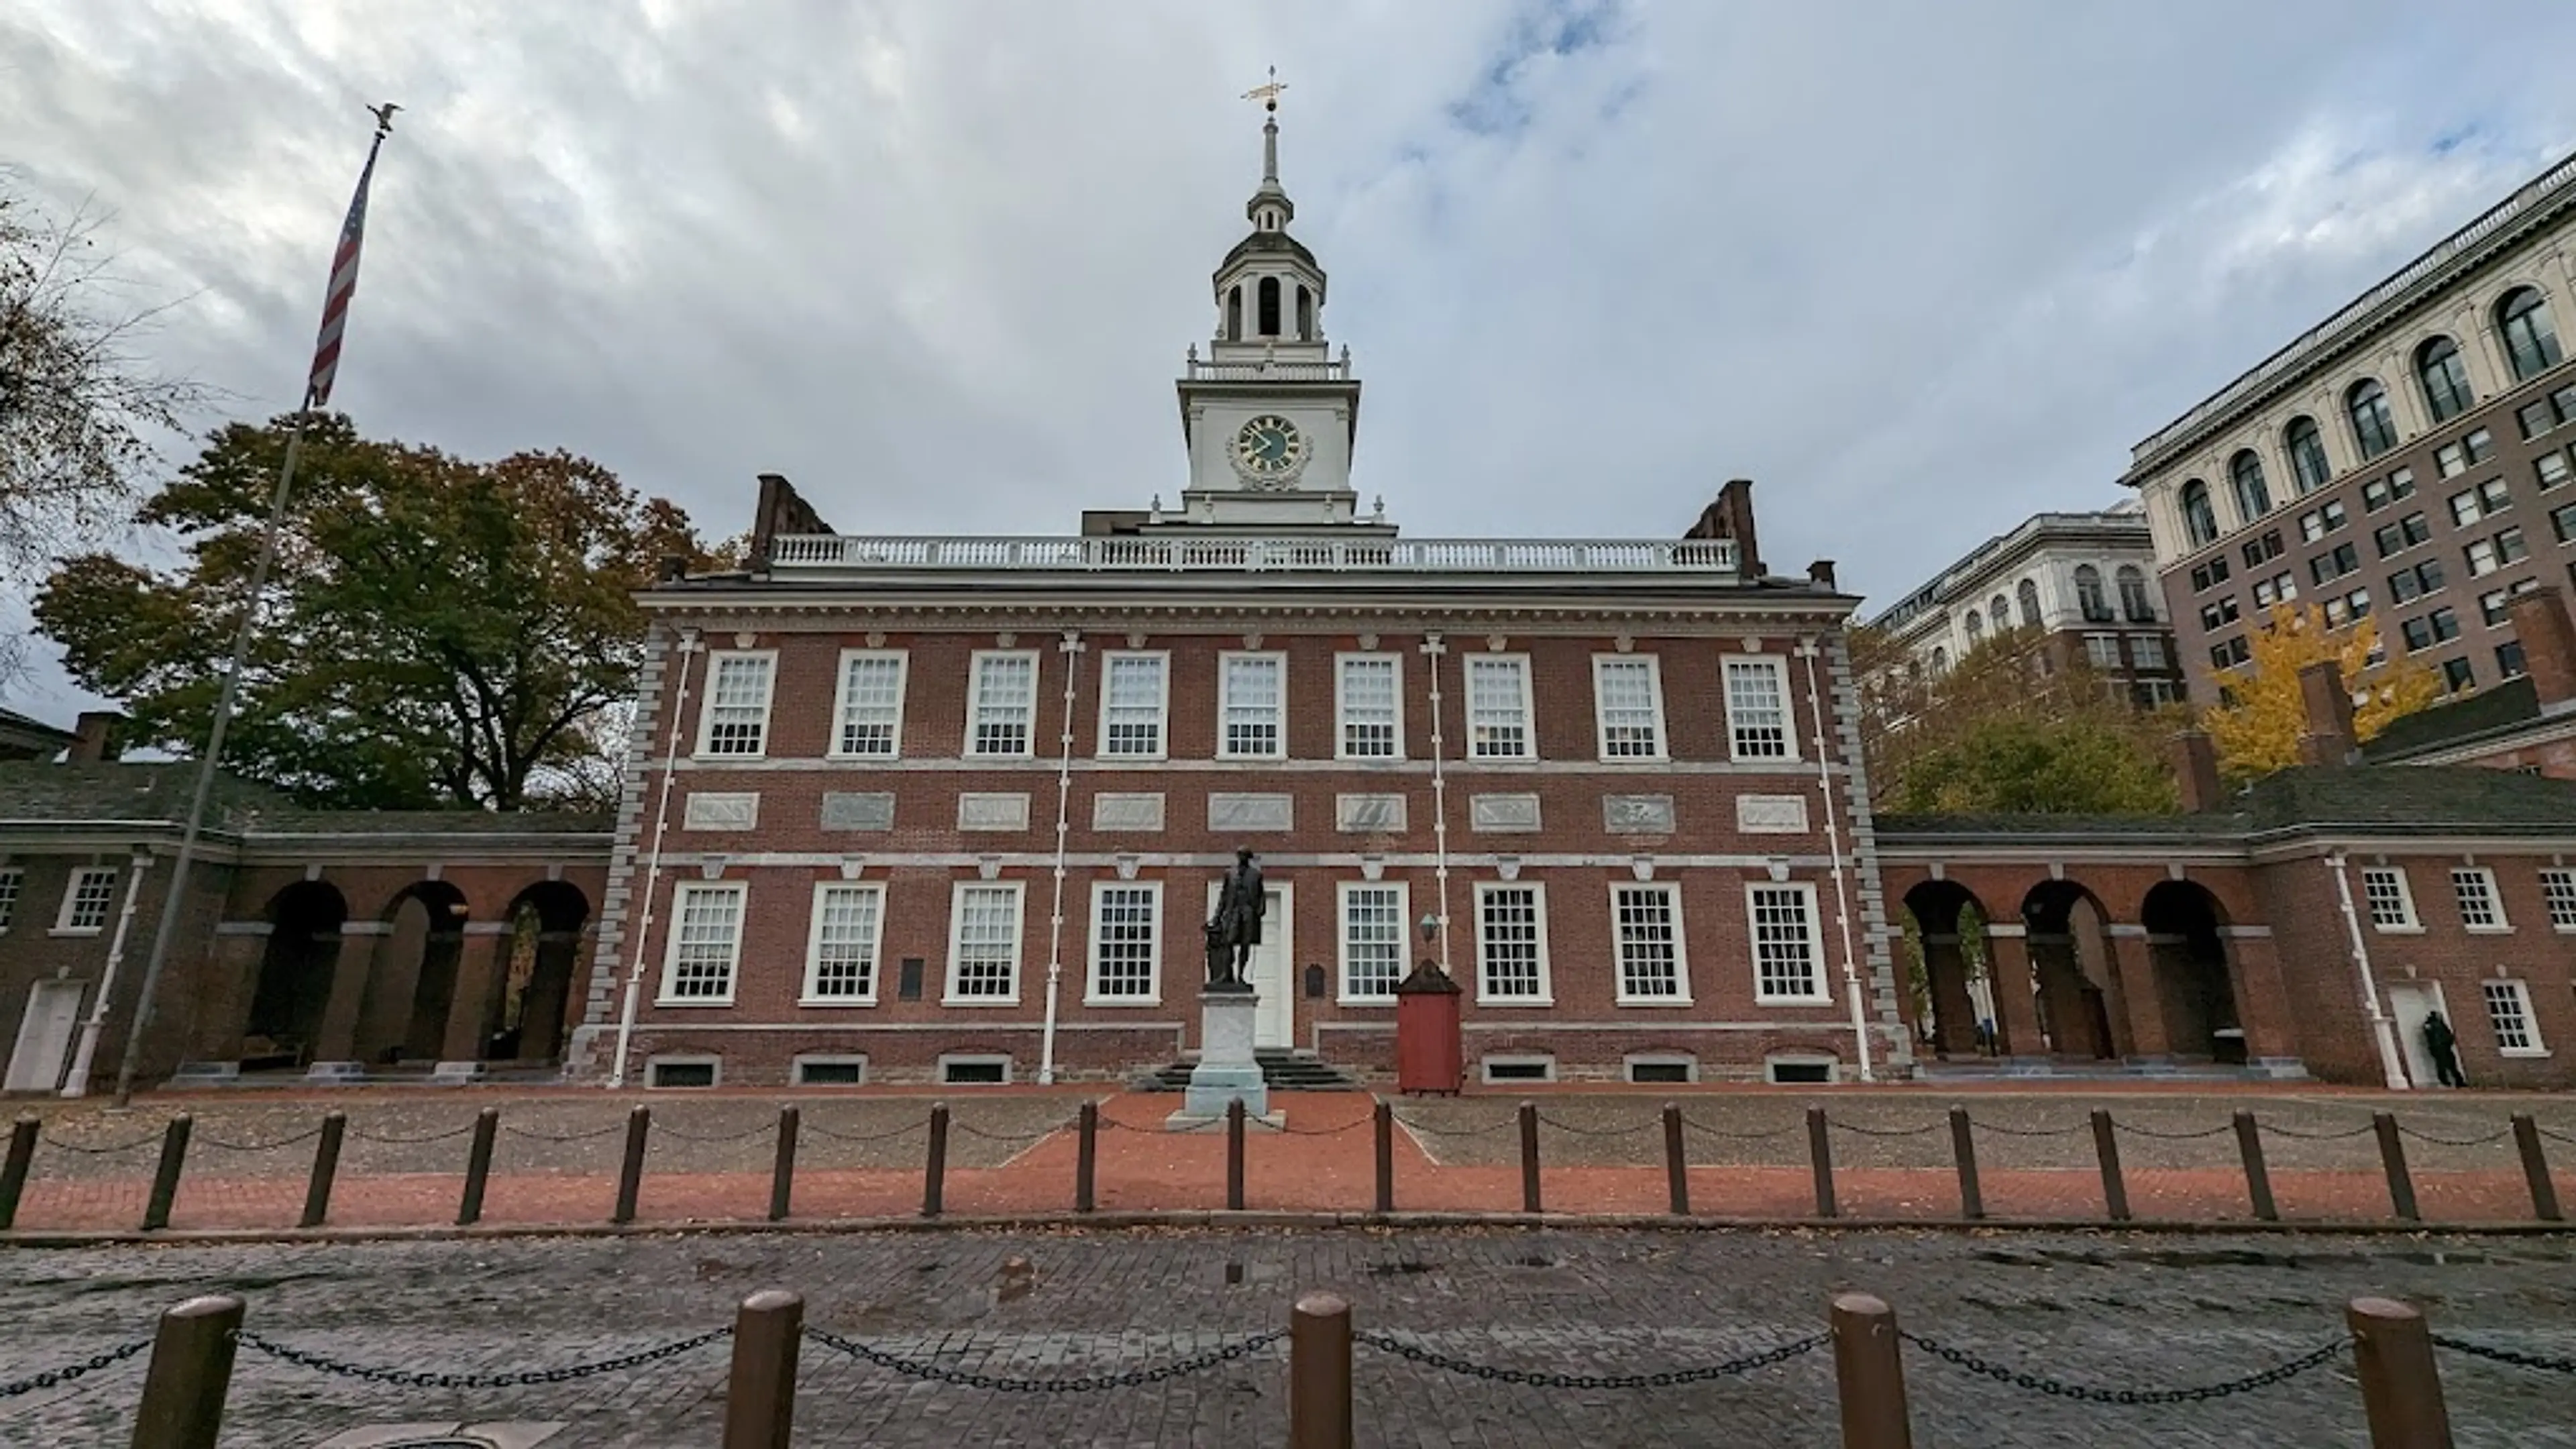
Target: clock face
[(1269, 449)]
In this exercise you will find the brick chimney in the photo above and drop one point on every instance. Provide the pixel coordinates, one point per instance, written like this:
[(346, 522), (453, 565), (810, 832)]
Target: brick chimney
[(2195, 767), (1821, 573), (1731, 516), (94, 739), (2329, 737), (2548, 638)]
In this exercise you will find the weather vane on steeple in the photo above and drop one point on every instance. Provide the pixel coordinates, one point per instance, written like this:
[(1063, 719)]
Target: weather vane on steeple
[(1267, 94)]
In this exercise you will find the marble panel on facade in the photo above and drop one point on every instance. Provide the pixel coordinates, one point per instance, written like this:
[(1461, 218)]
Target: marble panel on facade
[(1637, 814), (1251, 812), (993, 812), (1771, 814), (1374, 814), (858, 810), (1503, 814), (731, 810), (1127, 811)]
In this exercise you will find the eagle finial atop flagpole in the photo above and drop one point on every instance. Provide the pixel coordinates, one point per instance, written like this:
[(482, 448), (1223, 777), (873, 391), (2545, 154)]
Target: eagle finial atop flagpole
[(384, 115)]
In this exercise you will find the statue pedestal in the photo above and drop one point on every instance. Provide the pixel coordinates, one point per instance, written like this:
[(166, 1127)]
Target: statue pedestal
[(1226, 1072)]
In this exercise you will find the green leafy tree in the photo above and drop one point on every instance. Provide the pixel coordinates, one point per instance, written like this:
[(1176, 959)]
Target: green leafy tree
[(2025, 766), (438, 632)]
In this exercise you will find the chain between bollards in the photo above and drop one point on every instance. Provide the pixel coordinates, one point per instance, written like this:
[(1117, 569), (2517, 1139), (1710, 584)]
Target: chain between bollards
[(1963, 1146), (1086, 1157), (1820, 1157), (165, 1178), (934, 1169), (782, 1170), (478, 1167), (326, 1171), (2106, 1148), (630, 1171), (2258, 1178), (190, 1373), (2392, 1159), (760, 1397), (13, 1172)]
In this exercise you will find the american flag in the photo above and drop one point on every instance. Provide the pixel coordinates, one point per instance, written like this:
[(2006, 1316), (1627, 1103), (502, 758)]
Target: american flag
[(344, 279)]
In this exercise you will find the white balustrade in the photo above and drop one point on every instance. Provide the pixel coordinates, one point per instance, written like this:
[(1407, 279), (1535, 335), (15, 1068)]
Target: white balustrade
[(1184, 554)]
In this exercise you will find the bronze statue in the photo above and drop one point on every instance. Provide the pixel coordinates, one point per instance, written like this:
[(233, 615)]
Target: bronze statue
[(1236, 927)]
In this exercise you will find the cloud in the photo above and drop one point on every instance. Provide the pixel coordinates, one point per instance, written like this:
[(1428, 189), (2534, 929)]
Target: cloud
[(1918, 270)]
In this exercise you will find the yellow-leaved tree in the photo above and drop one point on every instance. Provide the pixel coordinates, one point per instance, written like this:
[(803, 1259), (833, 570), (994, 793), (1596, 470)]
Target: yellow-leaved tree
[(2259, 731)]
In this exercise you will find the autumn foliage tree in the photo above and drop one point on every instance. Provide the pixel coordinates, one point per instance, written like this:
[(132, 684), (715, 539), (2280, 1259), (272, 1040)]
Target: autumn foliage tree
[(438, 632), (2258, 730)]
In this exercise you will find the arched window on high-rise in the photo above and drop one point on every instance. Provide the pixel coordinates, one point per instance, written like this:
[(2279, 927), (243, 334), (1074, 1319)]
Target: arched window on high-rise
[(2530, 341), (2445, 377), (2088, 595), (2134, 601), (2028, 594), (2307, 445), (1976, 627), (2374, 427), (2253, 495), (2199, 520)]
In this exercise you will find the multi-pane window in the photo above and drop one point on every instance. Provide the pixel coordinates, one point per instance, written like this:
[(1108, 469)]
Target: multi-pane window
[(2453, 459), (2334, 564), (12, 881), (2558, 890), (1646, 922), (2147, 651), (1253, 710), (1002, 704), (2228, 653), (2102, 651), (1498, 707), (2471, 504), (2373, 426), (2026, 596), (86, 903), (2262, 550), (1368, 707), (2253, 496), (2458, 674), (1126, 942), (2510, 661), (2218, 615), (1511, 944), (2563, 521), (1132, 702), (2088, 595), (706, 942), (2392, 905), (2307, 447), (2316, 523), (984, 945), (871, 724), (2426, 630), (1788, 946), (841, 958), (2551, 469), (2378, 493), (1628, 706), (2509, 1012), (2135, 605), (2547, 414), (1757, 710), (2199, 520), (736, 720), (2406, 585), (1373, 927), (2480, 910), (2445, 378), (2529, 339)]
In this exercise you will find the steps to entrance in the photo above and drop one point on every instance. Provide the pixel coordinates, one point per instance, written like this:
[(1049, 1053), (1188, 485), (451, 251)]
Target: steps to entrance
[(1281, 1071), (2064, 1069)]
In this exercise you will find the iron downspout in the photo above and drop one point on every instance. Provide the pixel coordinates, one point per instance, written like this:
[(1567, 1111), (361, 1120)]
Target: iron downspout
[(688, 646), (2390, 1062)]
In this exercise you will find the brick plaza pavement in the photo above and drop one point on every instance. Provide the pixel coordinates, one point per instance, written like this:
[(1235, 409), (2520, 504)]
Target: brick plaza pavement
[(860, 1156), (2105, 1310)]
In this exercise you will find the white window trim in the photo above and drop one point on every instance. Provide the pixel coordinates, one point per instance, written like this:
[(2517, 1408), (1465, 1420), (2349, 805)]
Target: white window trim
[(1779, 668), (1162, 706), (1224, 703), (1772, 1062), (1538, 919), (71, 895), (1019, 941), (653, 1065), (1342, 937), (1545, 1061), (1600, 719), (841, 696), (707, 703), (796, 1068), (975, 700), (741, 891), (1529, 706), (1686, 1061), (2565, 928), (2530, 1018), (1672, 892), (814, 947), (1824, 993), (2413, 925), (973, 1059), (1341, 735), (1091, 995), (2495, 899)]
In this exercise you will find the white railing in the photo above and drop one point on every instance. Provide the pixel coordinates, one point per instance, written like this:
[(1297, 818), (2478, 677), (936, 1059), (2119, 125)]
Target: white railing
[(1176, 554), (1200, 371)]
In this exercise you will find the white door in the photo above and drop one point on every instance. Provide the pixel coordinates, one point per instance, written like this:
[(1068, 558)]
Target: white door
[(45, 1037), (2408, 1004), (1272, 969)]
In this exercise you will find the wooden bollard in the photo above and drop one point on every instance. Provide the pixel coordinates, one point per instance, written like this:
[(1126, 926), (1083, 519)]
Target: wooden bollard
[(1086, 1157), (326, 1171), (1963, 1146), (782, 1176), (1385, 1123), (192, 1370), (1676, 1161), (14, 1170), (2526, 1140), (2401, 1390), (478, 1167), (1869, 1374), (2106, 1148), (2258, 1178), (2392, 1160), (165, 1178), (1529, 1157), (1319, 1373), (1820, 1156), (934, 1169), (1234, 1155), (760, 1397), (630, 1172)]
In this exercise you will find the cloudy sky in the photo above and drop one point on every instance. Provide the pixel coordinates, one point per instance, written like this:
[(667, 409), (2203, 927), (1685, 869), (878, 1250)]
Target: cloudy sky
[(1918, 269)]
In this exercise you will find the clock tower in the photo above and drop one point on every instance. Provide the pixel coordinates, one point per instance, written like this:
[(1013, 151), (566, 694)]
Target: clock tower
[(1270, 413)]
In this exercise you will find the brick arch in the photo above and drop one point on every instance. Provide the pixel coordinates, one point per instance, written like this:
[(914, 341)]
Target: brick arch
[(297, 967), (2077, 993), (1958, 1002), (411, 974), (532, 1013), (2195, 979)]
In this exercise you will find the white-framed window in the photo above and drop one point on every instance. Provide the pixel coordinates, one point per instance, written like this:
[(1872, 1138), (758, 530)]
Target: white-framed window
[(87, 901), (830, 1069), (1002, 703), (841, 951), (1788, 944), (734, 724), (1126, 944), (1498, 707), (1646, 943), (1135, 695), (1373, 916), (1628, 706), (984, 944), (1757, 709), (2392, 904), (2509, 1012), (1368, 706), (2102, 651), (1252, 706), (12, 881), (1511, 944), (870, 726), (705, 943), (2147, 651), (2557, 889), (2480, 907)]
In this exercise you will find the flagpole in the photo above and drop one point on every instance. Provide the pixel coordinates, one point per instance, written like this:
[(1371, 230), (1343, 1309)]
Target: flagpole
[(225, 700)]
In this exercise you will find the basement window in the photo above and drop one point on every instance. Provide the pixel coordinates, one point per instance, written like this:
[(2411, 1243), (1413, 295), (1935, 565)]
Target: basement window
[(680, 1072), (974, 1071), (1520, 1069), (831, 1071), (1646, 1071), (1798, 1071)]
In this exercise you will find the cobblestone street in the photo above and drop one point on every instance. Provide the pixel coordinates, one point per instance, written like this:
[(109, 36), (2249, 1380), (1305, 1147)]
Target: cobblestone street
[(2113, 1311)]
